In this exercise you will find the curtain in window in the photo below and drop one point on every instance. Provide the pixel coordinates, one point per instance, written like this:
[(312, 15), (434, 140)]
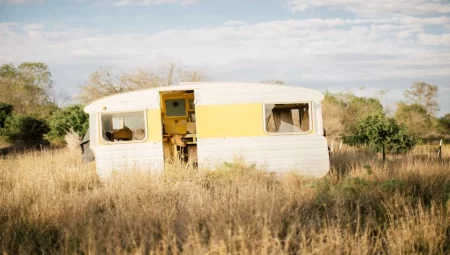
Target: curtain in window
[(304, 121), (280, 117)]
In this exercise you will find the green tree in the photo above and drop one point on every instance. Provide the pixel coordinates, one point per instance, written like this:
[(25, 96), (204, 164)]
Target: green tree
[(342, 110), (28, 88), (444, 124), (382, 134), (416, 117), (5, 112), (24, 129), (71, 117), (359, 108), (424, 94)]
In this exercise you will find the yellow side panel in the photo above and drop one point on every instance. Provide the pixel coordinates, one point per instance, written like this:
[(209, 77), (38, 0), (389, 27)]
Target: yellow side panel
[(234, 120), (154, 126)]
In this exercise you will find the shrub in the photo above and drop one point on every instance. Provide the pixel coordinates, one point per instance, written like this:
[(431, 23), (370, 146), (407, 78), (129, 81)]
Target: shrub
[(342, 110), (382, 134), (5, 111), (66, 119), (24, 129), (444, 124), (416, 118)]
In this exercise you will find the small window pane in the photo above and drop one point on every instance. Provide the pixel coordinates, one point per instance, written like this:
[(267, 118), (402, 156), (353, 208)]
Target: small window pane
[(127, 126), (175, 107), (287, 118), (192, 117)]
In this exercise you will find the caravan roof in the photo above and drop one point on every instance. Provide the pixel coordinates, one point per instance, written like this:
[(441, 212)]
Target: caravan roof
[(221, 87)]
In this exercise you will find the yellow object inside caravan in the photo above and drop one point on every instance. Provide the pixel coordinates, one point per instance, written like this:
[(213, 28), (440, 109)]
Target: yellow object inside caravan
[(178, 121), (178, 112)]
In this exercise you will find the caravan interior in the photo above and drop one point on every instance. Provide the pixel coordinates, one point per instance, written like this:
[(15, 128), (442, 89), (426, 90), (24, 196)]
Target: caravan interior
[(179, 125)]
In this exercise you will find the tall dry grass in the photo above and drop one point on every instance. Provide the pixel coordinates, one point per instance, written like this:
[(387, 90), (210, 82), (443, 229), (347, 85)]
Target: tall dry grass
[(51, 203)]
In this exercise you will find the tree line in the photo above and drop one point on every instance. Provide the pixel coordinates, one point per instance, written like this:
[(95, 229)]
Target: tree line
[(30, 115), (364, 120)]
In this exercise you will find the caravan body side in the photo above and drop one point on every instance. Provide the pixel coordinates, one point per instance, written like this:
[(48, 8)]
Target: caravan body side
[(146, 155), (230, 122)]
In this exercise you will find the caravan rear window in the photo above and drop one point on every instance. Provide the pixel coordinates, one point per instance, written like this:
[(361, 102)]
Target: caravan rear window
[(287, 118), (123, 126)]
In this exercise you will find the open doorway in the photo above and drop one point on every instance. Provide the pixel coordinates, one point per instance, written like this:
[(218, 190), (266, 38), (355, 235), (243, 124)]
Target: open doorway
[(179, 126)]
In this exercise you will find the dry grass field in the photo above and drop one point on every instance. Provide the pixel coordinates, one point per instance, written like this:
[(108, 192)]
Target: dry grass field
[(50, 203)]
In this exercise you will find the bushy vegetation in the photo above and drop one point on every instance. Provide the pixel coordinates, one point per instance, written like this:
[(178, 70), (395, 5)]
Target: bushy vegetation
[(444, 124), (5, 112), (382, 134), (52, 204), (341, 112), (28, 88), (29, 114), (24, 129), (26, 94), (72, 117)]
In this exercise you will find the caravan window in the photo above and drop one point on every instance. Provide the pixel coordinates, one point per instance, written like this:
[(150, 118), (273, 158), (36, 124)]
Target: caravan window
[(123, 126), (175, 107), (287, 118)]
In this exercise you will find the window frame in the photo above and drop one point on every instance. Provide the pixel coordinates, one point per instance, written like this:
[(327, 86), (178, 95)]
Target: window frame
[(186, 102), (311, 118), (122, 112)]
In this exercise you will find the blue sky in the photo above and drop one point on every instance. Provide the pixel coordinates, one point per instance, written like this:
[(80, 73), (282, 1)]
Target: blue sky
[(323, 44)]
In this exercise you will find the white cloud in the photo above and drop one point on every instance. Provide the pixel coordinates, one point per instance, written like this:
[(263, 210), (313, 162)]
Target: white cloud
[(33, 26), (443, 39), (376, 7), (345, 51), (7, 30), (439, 20), (7, 25), (235, 23), (151, 2), (357, 45)]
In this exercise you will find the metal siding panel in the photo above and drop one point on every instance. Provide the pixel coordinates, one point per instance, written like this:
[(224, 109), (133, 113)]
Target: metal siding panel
[(93, 128), (258, 93), (318, 120), (136, 100), (281, 153), (253, 94), (145, 156)]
